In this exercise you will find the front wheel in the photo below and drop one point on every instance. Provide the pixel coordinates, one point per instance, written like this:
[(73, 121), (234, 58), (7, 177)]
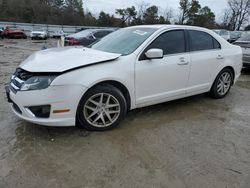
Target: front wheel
[(101, 108), (222, 84)]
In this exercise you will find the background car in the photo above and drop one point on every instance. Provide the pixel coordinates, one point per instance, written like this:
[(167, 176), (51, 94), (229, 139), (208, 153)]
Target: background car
[(39, 33), (235, 35), (223, 33), (86, 37), (244, 43), (58, 34), (14, 32), (1, 33)]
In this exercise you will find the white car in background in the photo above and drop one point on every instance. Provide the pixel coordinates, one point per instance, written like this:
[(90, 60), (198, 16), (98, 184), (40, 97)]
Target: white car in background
[(39, 34), (223, 33), (244, 43), (129, 68), (58, 34)]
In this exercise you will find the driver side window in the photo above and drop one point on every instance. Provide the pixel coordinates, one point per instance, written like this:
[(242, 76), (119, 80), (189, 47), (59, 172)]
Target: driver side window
[(171, 42)]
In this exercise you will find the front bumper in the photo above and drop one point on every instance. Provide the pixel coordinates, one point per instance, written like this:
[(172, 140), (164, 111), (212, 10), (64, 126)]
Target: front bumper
[(38, 36), (58, 97)]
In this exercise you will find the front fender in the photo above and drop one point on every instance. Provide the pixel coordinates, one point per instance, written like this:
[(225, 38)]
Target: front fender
[(119, 71)]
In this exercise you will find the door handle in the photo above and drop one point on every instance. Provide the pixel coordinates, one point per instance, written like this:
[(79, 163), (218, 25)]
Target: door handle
[(183, 63), (219, 57)]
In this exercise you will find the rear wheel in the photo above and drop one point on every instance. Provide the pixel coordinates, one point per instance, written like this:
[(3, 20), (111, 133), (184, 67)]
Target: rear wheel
[(222, 84), (101, 108)]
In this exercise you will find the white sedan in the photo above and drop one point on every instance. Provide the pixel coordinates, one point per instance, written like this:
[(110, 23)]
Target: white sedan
[(131, 68), (38, 34)]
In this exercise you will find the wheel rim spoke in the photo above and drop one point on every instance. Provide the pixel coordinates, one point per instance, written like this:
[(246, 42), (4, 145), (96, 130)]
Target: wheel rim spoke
[(108, 116), (94, 102), (93, 113), (113, 112), (90, 108), (103, 120), (101, 99), (97, 118), (112, 105), (108, 99)]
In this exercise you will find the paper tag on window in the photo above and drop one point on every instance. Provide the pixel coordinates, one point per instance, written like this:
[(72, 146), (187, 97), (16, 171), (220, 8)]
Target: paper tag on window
[(139, 32)]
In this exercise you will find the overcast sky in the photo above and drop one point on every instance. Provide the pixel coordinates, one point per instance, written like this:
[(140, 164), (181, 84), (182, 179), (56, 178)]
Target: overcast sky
[(95, 6)]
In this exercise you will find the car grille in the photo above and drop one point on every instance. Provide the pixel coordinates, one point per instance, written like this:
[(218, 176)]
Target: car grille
[(18, 78)]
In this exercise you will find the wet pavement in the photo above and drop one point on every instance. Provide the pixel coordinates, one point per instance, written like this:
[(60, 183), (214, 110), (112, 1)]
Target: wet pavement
[(192, 142)]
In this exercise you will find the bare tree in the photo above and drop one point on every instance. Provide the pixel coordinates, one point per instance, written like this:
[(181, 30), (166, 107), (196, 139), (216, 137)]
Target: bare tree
[(168, 14), (184, 7), (239, 13), (141, 9)]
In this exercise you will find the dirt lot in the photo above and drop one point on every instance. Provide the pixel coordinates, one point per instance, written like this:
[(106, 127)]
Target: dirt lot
[(193, 142)]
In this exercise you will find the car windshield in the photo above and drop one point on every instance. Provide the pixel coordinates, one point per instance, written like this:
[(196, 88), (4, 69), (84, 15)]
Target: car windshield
[(124, 41), (245, 37), (82, 34)]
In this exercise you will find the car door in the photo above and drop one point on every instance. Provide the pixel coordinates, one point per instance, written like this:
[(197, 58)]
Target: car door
[(206, 56), (156, 80)]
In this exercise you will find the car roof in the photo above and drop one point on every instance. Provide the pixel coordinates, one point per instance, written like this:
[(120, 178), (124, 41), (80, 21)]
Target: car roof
[(166, 26)]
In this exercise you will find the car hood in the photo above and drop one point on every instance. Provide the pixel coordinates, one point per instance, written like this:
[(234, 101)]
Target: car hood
[(59, 60)]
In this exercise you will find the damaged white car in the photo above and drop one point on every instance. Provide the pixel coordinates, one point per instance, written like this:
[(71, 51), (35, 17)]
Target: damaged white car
[(131, 68)]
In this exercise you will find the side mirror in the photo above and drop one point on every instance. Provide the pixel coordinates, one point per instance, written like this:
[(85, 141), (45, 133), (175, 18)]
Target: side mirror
[(154, 53)]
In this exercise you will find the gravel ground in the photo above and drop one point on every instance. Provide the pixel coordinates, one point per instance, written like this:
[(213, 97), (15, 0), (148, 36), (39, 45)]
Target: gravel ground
[(193, 142)]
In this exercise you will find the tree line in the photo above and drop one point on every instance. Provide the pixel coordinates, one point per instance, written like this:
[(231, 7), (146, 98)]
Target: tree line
[(71, 12)]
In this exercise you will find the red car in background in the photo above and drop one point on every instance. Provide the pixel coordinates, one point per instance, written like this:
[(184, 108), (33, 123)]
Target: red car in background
[(86, 37), (14, 32)]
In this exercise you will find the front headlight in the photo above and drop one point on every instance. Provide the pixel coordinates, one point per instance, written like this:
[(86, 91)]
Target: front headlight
[(37, 83)]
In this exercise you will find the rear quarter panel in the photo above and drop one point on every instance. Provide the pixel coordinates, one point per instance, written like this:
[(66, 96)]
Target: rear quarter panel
[(232, 58)]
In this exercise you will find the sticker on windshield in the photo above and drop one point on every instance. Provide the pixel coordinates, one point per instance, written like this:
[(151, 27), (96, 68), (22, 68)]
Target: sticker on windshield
[(139, 32)]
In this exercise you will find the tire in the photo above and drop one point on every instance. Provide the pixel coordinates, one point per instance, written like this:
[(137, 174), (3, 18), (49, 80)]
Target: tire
[(222, 84), (94, 115)]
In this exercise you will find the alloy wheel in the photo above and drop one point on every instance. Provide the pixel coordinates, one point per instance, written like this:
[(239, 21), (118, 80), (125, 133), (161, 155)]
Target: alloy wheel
[(101, 110), (224, 83)]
